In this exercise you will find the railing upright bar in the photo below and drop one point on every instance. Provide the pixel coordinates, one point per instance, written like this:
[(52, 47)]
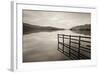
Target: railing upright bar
[(63, 43), (69, 45), (58, 41), (79, 47)]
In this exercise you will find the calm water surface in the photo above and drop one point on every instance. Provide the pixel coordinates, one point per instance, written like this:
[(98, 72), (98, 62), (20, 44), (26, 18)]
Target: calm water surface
[(42, 46)]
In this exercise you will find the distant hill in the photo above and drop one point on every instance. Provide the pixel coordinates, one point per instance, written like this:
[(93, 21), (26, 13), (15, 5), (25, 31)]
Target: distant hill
[(28, 28), (83, 29)]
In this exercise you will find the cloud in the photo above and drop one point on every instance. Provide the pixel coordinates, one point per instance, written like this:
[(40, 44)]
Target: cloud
[(56, 19)]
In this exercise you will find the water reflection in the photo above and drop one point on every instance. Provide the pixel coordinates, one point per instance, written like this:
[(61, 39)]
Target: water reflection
[(42, 46)]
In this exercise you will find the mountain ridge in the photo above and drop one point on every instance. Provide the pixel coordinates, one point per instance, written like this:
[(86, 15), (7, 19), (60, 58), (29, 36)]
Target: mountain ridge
[(28, 28), (82, 29)]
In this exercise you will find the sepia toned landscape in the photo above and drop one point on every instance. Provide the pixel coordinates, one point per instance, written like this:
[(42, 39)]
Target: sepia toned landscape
[(56, 36)]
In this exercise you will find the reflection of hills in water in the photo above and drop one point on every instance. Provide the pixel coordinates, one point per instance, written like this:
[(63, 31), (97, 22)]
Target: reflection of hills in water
[(82, 29), (28, 28), (43, 46)]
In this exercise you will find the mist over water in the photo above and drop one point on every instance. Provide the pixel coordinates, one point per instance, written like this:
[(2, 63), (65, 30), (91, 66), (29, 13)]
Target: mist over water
[(42, 46)]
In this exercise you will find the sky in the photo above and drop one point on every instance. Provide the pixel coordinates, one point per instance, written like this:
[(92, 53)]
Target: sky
[(56, 19)]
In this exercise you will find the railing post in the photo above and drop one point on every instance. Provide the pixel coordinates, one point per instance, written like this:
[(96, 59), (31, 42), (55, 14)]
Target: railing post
[(58, 41), (69, 45), (79, 48), (63, 43)]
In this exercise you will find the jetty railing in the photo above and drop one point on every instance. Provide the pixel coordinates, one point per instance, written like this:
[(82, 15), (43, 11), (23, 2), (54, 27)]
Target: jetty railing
[(75, 47)]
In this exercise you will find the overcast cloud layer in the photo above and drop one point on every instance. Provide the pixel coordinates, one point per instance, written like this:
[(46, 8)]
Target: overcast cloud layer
[(56, 19)]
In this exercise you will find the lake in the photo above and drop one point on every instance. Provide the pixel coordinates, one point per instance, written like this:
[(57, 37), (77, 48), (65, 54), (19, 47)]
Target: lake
[(42, 46)]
